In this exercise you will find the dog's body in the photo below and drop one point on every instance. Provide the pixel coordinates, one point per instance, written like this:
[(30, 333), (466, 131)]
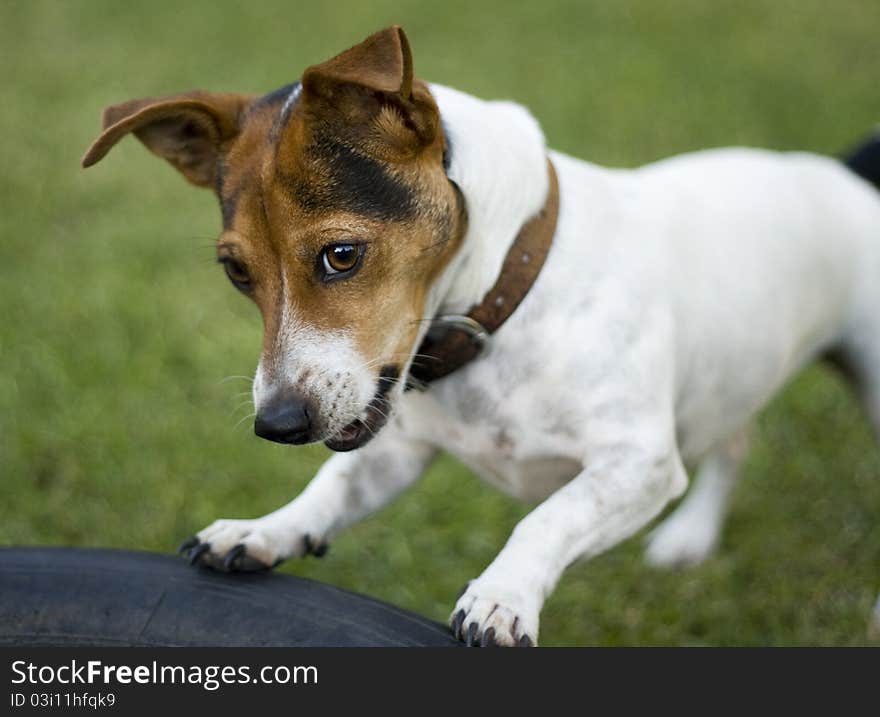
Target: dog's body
[(675, 300)]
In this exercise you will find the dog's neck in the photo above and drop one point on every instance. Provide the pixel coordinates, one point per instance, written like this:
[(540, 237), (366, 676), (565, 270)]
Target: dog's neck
[(498, 159)]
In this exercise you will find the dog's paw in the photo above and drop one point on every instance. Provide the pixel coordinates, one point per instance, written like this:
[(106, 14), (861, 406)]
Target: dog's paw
[(682, 540), (248, 546), (487, 617)]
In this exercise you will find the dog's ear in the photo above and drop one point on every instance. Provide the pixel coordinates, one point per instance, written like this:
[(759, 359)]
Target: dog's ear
[(373, 83), (190, 130)]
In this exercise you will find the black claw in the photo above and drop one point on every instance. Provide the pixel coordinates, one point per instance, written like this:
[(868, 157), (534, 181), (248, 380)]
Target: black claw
[(456, 624), (488, 639), (232, 557), (321, 550), (198, 551), (525, 641), (188, 545), (471, 634)]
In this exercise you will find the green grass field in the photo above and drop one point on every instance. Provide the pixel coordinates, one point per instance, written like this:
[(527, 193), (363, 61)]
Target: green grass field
[(119, 426)]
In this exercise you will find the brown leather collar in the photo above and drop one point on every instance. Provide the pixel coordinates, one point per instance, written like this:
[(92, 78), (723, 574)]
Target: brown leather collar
[(455, 340)]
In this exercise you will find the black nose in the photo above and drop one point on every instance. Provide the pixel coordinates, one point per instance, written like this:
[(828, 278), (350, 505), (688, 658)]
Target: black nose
[(284, 419)]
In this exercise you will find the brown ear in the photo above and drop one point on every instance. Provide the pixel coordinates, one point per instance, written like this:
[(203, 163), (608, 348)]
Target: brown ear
[(378, 69), (189, 130), (382, 62)]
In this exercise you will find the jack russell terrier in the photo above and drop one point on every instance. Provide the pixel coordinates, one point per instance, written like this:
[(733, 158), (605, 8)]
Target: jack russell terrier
[(432, 277)]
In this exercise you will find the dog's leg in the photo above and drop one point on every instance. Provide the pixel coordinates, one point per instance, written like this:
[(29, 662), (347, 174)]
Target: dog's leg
[(871, 397), (691, 533), (858, 360), (625, 485), (348, 487)]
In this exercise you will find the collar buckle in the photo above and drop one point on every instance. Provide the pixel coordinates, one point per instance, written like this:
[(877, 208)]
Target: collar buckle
[(476, 332)]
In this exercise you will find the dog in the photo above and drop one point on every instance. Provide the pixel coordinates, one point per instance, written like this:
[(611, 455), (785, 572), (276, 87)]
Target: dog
[(431, 277)]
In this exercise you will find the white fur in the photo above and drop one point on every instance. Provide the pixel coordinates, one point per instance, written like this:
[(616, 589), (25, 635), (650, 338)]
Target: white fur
[(496, 209), (323, 367), (676, 299), (690, 534)]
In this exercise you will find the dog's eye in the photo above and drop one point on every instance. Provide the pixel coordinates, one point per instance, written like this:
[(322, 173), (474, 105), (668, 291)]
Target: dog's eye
[(237, 273), (341, 260)]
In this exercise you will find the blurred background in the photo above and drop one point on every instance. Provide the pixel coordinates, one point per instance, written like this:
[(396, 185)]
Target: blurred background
[(123, 417)]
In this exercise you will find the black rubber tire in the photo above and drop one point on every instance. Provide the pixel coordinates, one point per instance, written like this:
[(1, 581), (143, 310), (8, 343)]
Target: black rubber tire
[(79, 597)]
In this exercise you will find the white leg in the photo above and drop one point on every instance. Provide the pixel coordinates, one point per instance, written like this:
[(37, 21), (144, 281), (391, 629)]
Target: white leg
[(348, 487), (624, 487), (690, 534)]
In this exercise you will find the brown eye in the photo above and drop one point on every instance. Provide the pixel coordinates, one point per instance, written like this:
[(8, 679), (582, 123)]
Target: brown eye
[(339, 259), (237, 273)]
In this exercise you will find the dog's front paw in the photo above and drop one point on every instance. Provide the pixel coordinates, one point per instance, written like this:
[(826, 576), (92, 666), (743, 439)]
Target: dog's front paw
[(249, 545), (491, 617)]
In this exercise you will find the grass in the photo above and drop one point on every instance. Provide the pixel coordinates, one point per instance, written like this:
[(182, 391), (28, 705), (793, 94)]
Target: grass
[(118, 426)]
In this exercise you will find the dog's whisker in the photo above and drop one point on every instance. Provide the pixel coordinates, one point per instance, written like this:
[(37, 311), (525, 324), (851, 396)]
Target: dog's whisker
[(236, 377), (417, 384), (367, 426), (435, 245), (383, 359), (201, 247), (380, 412), (243, 419), (387, 357), (242, 405)]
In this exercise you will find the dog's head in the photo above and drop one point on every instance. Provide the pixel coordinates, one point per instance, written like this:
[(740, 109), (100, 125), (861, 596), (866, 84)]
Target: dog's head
[(338, 219)]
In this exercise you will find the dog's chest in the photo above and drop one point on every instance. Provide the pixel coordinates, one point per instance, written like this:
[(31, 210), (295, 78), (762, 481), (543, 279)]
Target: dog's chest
[(495, 428)]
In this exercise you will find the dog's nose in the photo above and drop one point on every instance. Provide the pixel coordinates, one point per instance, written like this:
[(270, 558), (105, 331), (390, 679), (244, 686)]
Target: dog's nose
[(285, 418)]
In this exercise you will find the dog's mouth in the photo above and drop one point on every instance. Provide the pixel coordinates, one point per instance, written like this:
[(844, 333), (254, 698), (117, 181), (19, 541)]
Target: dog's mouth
[(364, 428)]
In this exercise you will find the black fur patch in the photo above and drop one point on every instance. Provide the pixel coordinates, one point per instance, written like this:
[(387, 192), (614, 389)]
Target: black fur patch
[(278, 97), (864, 160), (229, 201), (357, 184), (228, 207), (227, 204)]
